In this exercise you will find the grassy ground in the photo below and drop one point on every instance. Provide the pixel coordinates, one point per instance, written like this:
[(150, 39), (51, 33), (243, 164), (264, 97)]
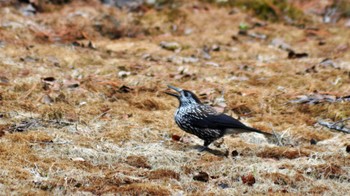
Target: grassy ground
[(92, 118)]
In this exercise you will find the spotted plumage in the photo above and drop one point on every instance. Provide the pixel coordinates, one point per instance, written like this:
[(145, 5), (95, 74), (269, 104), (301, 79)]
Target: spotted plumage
[(204, 121)]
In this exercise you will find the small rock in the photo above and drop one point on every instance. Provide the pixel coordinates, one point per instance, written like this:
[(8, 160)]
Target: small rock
[(348, 148), (47, 99), (212, 64), (29, 59), (91, 45), (234, 153), (78, 159), (188, 31), (347, 23), (150, 57), (223, 185), (190, 59), (308, 170), (342, 47), (4, 80), (55, 61), (124, 89), (322, 42), (259, 24), (12, 24), (206, 53), (232, 12), (123, 74), (48, 79), (128, 4), (151, 2), (239, 78), (183, 70), (215, 48), (279, 43), (73, 85), (218, 143), (313, 141), (50, 83), (28, 10), (294, 55), (175, 59), (257, 35), (174, 27), (201, 176), (281, 88), (146, 56), (172, 46), (328, 63)]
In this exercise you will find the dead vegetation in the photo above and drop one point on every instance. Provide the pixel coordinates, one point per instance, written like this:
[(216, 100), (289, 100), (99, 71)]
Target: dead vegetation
[(83, 109)]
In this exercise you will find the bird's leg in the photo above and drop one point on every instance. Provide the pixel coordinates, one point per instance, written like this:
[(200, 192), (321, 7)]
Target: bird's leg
[(205, 146)]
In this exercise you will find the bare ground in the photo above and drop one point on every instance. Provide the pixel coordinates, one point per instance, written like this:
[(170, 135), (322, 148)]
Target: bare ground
[(93, 119)]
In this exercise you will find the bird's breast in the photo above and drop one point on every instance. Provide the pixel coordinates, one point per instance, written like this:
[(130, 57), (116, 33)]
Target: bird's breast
[(182, 119)]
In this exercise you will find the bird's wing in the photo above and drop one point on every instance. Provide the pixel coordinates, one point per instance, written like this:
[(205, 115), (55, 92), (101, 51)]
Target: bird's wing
[(210, 118)]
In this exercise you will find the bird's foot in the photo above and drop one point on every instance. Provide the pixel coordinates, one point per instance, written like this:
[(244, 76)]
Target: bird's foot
[(203, 148)]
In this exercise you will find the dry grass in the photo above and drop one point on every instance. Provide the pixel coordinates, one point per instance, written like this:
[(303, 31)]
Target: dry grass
[(72, 123)]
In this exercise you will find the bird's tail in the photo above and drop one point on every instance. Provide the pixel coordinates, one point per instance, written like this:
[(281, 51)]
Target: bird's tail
[(271, 137), (250, 129), (245, 130)]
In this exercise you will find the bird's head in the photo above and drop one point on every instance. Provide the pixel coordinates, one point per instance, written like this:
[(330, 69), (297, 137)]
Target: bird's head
[(185, 97)]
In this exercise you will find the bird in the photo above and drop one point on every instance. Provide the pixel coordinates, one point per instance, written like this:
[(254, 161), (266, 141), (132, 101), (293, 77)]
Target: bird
[(194, 117)]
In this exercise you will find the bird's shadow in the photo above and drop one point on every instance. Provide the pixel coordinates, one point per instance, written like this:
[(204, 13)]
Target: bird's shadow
[(211, 151)]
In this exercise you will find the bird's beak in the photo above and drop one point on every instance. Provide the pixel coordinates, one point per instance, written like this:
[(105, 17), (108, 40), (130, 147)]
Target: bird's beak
[(176, 89)]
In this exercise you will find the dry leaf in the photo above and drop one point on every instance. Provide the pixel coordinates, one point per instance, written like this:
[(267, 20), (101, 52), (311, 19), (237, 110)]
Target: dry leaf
[(248, 179)]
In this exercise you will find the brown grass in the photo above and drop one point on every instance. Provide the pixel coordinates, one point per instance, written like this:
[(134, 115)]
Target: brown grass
[(139, 189), (138, 161), (283, 152), (71, 124), (163, 173)]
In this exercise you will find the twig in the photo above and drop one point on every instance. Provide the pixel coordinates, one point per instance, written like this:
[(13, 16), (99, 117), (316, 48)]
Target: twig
[(334, 126), (100, 115), (59, 122), (28, 92), (341, 121), (277, 136)]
